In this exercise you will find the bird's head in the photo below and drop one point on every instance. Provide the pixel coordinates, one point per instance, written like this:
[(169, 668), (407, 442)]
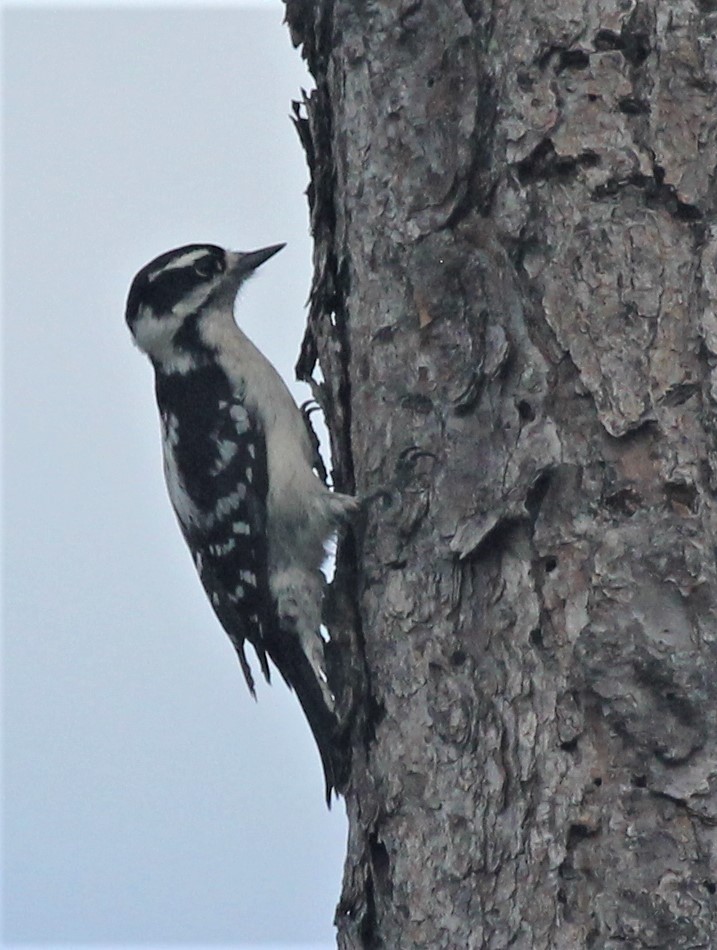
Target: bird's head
[(169, 295)]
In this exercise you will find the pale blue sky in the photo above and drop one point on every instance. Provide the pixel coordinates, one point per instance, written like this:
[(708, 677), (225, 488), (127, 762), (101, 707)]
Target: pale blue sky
[(147, 799)]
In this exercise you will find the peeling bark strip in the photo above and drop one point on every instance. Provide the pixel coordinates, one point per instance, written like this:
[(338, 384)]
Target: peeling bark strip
[(514, 308)]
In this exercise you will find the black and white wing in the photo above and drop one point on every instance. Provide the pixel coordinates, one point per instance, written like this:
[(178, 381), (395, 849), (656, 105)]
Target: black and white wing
[(230, 552), (215, 469)]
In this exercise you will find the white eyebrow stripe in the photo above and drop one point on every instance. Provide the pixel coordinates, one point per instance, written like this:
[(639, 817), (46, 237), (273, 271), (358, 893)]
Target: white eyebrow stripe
[(184, 261)]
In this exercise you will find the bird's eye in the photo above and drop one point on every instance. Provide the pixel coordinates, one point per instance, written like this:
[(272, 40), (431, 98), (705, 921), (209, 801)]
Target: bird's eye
[(208, 267)]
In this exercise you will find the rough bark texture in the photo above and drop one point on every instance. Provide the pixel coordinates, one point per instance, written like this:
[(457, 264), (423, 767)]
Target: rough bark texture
[(513, 308)]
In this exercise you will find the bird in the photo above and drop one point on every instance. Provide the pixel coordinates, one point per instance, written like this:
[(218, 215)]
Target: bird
[(239, 465)]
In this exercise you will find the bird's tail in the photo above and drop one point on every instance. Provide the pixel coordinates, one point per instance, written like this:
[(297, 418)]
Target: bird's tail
[(286, 652)]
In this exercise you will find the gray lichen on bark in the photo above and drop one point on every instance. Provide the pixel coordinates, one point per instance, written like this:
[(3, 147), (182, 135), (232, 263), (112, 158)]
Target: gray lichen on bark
[(513, 307)]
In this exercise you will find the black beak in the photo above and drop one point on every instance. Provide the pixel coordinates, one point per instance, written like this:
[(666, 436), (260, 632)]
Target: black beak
[(246, 263)]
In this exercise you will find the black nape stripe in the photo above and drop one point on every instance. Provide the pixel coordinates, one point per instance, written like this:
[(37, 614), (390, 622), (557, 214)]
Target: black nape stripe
[(187, 337), (193, 395)]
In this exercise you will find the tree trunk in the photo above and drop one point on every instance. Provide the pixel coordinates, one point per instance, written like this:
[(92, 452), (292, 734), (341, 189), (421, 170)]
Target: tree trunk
[(513, 308)]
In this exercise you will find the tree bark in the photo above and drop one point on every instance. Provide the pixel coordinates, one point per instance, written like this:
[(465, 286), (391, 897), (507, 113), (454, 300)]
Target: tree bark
[(513, 308)]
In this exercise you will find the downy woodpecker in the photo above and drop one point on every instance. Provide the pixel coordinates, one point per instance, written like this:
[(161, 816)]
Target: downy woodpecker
[(238, 463)]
